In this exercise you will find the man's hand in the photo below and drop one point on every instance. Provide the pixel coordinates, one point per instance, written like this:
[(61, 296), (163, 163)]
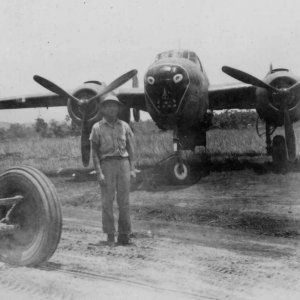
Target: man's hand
[(134, 172), (101, 178)]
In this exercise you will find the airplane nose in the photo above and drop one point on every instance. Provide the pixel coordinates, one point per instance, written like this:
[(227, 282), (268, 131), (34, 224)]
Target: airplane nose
[(165, 86)]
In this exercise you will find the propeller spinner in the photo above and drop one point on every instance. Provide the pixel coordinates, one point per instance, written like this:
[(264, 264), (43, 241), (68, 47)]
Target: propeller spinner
[(83, 104)]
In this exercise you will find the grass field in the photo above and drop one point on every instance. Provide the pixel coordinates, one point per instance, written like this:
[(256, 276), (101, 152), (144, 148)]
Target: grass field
[(51, 154)]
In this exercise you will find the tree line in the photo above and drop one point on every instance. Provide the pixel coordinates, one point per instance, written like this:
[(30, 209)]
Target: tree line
[(56, 129), (41, 128)]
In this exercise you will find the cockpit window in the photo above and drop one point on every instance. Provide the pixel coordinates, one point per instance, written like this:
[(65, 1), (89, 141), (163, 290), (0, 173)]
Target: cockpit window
[(168, 54), (195, 59), (185, 54), (180, 54)]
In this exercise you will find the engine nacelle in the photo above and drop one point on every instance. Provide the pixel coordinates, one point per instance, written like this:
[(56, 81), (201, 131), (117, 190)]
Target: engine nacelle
[(86, 91), (94, 114)]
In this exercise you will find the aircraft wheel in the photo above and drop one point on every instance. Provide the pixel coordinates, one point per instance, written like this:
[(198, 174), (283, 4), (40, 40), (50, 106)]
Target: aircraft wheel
[(38, 217), (179, 176), (279, 151)]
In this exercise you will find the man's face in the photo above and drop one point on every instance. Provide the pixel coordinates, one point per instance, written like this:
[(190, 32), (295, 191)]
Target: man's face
[(110, 109)]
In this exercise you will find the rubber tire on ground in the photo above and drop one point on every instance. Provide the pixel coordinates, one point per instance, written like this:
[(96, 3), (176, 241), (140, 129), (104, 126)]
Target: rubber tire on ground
[(39, 216), (173, 172), (279, 150)]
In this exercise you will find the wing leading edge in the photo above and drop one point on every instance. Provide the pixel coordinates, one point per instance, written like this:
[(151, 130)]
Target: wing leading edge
[(133, 98), (232, 97), (32, 101), (220, 97)]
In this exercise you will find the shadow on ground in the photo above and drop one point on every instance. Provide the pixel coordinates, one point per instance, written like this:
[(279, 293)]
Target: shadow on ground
[(155, 178), (256, 222)]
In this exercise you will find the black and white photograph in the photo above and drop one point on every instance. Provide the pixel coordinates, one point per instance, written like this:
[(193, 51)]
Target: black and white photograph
[(150, 149)]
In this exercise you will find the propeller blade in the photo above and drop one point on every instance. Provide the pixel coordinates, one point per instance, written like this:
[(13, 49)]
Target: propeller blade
[(136, 112), (289, 135), (247, 78), (54, 88), (115, 84), (85, 142)]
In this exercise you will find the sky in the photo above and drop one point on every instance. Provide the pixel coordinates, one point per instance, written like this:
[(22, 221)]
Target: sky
[(73, 41)]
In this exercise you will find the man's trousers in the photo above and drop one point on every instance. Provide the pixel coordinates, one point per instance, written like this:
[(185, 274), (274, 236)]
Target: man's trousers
[(117, 184)]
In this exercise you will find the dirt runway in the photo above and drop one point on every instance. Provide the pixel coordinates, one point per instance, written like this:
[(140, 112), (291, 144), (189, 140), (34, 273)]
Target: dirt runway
[(233, 235)]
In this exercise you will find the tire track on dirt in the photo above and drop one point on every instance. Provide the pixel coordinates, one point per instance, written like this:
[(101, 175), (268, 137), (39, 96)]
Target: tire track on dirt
[(18, 280), (96, 276), (227, 270)]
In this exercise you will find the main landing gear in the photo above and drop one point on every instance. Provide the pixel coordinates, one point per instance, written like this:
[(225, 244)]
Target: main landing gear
[(282, 149), (30, 217)]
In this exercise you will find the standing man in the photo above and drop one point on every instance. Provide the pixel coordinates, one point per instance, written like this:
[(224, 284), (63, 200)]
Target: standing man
[(113, 158)]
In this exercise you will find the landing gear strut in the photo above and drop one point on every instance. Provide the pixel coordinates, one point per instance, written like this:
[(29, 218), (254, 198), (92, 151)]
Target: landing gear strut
[(268, 139), (178, 169)]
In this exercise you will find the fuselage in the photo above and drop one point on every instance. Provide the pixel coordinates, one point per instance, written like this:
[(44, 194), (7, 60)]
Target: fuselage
[(268, 105), (176, 89)]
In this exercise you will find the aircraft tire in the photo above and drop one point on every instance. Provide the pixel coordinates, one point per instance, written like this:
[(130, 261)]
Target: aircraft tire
[(279, 151), (177, 177), (38, 215)]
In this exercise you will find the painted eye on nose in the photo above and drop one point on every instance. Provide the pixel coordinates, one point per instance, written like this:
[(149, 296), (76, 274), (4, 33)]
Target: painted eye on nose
[(150, 80), (177, 78)]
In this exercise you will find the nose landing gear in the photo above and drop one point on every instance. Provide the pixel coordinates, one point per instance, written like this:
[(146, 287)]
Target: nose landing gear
[(178, 169)]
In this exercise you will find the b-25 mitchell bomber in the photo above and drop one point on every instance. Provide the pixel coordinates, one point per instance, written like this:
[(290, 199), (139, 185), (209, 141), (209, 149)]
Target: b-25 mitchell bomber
[(178, 97)]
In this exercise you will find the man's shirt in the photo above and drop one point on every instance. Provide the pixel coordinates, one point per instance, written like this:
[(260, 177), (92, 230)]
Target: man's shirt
[(111, 139)]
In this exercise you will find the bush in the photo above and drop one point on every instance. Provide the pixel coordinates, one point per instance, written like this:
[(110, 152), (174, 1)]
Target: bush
[(18, 131), (233, 119), (56, 129), (41, 127)]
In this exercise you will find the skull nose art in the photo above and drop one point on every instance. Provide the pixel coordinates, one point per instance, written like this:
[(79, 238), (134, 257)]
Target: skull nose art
[(165, 86)]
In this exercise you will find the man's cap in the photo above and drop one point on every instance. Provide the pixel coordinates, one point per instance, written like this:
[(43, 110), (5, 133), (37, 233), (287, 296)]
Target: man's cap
[(111, 97)]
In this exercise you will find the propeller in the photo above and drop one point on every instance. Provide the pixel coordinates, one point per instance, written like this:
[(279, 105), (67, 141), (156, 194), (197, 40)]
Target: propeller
[(59, 91), (54, 88), (284, 96), (115, 84), (289, 135), (85, 142), (85, 127), (247, 78), (136, 112)]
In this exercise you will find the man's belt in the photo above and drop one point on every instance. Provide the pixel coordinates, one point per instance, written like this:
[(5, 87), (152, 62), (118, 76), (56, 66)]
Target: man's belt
[(114, 157)]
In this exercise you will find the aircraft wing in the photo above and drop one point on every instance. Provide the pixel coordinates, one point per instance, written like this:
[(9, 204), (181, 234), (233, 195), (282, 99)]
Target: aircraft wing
[(31, 101), (133, 98), (238, 96)]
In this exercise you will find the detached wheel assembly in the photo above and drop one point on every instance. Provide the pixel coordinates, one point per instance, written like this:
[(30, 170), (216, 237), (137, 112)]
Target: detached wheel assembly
[(30, 217)]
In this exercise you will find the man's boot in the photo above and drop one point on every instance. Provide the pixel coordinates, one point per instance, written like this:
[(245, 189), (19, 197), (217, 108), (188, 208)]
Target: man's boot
[(110, 239), (123, 239)]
